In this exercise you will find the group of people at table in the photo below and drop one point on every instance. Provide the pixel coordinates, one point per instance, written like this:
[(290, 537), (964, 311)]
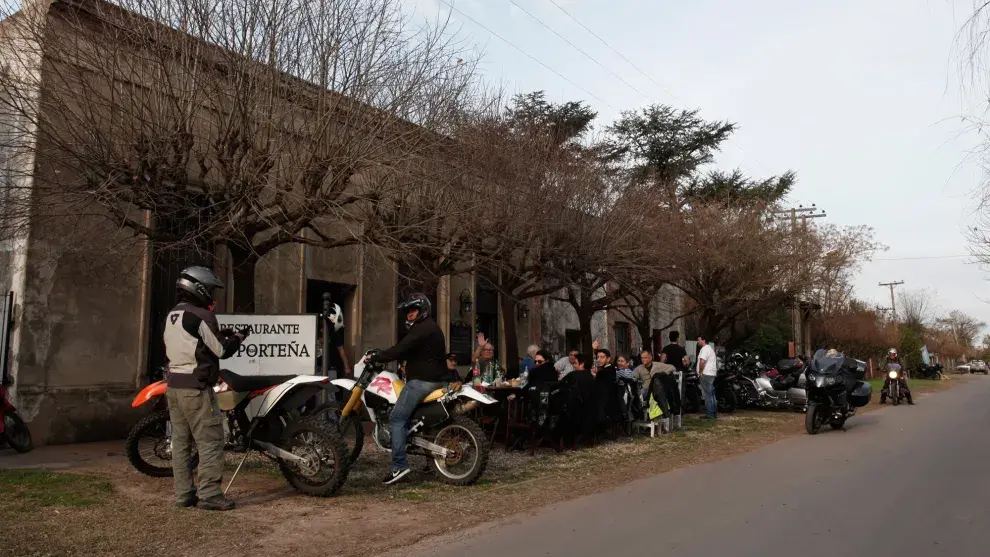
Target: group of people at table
[(588, 390)]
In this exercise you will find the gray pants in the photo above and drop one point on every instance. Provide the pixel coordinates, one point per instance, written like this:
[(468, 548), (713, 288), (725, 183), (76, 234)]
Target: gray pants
[(196, 423)]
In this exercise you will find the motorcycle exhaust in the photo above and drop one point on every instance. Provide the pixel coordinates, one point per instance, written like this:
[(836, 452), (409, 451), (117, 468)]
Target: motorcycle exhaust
[(465, 407)]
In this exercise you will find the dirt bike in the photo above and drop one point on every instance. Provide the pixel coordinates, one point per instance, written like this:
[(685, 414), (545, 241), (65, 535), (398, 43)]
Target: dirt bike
[(270, 414), (439, 429), (13, 430)]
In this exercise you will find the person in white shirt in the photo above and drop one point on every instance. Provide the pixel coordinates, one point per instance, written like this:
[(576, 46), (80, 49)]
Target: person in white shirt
[(566, 364), (707, 369)]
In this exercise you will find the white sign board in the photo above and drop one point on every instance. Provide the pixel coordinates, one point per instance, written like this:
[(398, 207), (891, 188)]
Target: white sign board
[(277, 345)]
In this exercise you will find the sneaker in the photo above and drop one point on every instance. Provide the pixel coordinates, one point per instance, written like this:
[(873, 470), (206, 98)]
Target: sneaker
[(187, 502), (216, 503), (394, 476)]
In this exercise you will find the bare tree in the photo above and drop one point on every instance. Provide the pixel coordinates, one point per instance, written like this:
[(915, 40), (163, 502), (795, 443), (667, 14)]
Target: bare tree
[(916, 308), (238, 127), (963, 328), (842, 251)]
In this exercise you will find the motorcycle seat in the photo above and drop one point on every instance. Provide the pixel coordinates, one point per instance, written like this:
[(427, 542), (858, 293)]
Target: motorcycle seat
[(244, 383)]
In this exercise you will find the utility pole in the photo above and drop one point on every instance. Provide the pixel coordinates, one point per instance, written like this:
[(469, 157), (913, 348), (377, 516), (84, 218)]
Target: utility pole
[(893, 305), (797, 317)]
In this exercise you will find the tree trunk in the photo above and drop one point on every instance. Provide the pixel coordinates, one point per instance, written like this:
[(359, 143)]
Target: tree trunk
[(584, 320), (645, 335), (243, 265), (508, 309)]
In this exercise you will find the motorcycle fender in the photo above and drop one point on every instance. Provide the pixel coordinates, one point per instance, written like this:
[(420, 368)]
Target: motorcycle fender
[(346, 384), (260, 406), (152, 391), (470, 392)]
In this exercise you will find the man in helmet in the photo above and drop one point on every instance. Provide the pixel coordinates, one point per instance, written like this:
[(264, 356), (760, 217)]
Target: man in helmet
[(424, 349), (194, 346), (894, 364)]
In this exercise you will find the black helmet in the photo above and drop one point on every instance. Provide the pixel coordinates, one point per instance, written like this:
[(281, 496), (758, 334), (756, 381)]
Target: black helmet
[(418, 301), (198, 283)]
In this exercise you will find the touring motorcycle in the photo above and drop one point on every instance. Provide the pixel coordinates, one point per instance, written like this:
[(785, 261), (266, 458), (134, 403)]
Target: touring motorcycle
[(13, 431), (780, 388), (830, 399), (439, 428), (273, 415)]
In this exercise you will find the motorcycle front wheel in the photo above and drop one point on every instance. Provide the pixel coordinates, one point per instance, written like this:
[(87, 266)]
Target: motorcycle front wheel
[(814, 418), (350, 428), (726, 401), (16, 432), (149, 446), (467, 455), (327, 463), (895, 393)]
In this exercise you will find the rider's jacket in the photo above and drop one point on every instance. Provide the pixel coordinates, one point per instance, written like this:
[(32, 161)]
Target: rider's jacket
[(194, 346)]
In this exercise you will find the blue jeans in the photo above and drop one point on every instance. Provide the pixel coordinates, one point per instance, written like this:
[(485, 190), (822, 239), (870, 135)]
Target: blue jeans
[(412, 394), (708, 391)]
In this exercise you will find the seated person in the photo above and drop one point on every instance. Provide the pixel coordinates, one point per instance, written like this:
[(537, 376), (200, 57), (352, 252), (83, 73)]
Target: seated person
[(624, 368), (455, 376), (649, 368), (544, 371)]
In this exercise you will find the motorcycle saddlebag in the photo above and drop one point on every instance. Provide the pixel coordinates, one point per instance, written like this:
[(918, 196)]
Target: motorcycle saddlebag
[(787, 365), (861, 394)]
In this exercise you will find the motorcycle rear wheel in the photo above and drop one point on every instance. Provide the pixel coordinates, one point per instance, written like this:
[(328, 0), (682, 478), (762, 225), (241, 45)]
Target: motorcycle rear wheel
[(316, 439), (16, 433), (471, 435), (153, 428)]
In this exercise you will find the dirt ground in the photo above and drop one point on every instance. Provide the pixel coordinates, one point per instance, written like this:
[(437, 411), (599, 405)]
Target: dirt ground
[(107, 508)]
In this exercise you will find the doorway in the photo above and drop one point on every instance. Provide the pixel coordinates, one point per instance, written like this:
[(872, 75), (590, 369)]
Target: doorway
[(486, 310)]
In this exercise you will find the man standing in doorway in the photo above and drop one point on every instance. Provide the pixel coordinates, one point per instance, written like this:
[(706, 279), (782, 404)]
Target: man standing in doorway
[(707, 369)]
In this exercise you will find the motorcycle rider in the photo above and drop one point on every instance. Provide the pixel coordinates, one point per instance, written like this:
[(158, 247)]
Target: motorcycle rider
[(893, 363), (194, 346), (424, 349)]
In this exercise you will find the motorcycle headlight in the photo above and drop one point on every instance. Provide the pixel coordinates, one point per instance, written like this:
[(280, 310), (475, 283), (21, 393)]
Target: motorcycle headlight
[(892, 374)]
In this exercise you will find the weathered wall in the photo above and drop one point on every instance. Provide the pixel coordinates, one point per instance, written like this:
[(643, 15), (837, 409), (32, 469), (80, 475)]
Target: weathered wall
[(557, 317)]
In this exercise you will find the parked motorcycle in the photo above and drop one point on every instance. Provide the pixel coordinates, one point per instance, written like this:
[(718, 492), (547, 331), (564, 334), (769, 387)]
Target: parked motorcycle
[(439, 428), (930, 371), (829, 398), (13, 431), (781, 388), (725, 395), (270, 414)]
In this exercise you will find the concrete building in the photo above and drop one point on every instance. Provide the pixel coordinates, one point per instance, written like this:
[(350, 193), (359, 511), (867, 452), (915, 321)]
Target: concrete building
[(87, 320)]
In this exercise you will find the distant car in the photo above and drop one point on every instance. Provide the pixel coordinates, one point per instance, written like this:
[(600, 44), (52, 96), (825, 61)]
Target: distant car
[(963, 368), (979, 366)]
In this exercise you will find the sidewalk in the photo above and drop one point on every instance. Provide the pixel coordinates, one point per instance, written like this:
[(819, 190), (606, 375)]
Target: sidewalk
[(63, 456)]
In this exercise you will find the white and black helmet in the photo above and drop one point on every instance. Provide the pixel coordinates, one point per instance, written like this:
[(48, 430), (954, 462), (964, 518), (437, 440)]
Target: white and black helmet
[(335, 319), (199, 283)]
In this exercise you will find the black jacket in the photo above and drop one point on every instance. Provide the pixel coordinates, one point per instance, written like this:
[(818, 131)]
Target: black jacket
[(675, 355), (424, 349)]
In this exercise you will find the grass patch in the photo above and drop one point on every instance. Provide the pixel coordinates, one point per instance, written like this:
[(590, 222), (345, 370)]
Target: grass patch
[(40, 488)]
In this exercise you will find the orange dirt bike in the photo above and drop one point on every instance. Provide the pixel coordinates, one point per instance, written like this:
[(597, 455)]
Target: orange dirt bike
[(269, 414), (439, 429)]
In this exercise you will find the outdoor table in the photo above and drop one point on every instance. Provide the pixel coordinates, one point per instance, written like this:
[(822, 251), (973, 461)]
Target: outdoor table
[(502, 394)]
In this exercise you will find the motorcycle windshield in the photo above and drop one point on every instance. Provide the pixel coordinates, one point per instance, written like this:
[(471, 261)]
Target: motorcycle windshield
[(824, 364)]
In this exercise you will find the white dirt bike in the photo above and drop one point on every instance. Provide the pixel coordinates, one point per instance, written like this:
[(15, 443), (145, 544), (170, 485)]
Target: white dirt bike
[(439, 429), (274, 415)]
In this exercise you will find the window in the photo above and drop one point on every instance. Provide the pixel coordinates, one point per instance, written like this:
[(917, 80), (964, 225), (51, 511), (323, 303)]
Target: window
[(572, 340), (621, 339)]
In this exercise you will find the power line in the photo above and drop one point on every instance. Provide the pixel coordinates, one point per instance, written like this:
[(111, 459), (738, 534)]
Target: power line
[(577, 48), (528, 55), (637, 68), (920, 257)]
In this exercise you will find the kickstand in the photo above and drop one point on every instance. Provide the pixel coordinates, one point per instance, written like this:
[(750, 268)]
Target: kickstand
[(238, 469)]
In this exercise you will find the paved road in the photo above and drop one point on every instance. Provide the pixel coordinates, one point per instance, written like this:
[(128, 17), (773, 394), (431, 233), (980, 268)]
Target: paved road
[(905, 482)]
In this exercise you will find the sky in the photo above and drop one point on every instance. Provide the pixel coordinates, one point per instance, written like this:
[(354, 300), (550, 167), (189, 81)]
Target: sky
[(864, 99)]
